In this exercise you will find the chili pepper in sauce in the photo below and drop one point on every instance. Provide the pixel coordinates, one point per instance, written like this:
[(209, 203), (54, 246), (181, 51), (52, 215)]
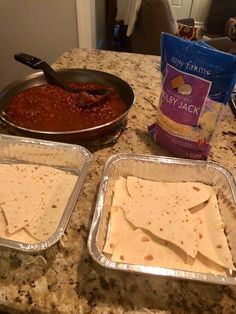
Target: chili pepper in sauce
[(50, 108)]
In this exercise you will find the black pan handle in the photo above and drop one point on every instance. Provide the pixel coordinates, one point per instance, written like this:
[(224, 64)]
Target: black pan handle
[(36, 63), (49, 73), (31, 61)]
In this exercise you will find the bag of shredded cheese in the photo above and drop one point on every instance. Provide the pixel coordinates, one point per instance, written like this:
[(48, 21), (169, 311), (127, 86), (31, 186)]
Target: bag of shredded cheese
[(197, 80)]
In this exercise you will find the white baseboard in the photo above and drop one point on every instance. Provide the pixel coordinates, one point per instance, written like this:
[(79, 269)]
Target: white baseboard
[(200, 24)]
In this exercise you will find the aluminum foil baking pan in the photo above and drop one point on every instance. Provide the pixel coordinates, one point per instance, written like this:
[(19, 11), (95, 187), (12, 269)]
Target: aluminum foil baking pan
[(163, 169), (68, 157)]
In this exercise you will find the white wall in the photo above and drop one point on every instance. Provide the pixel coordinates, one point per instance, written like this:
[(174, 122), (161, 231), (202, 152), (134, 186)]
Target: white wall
[(44, 28), (200, 11), (182, 8)]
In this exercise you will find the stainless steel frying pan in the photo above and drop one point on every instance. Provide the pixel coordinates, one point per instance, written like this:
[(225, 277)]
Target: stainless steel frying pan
[(69, 75)]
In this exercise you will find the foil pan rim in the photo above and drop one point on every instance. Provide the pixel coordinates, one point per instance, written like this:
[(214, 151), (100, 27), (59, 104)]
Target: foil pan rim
[(43, 245), (104, 261)]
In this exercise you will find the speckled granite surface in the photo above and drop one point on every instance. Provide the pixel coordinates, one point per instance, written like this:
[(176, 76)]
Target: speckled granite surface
[(64, 279)]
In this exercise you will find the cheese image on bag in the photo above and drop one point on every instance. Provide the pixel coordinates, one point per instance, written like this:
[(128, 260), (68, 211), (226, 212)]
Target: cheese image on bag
[(197, 81)]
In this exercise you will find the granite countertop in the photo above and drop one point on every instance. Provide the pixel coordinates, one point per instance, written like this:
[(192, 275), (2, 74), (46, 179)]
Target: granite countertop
[(64, 279)]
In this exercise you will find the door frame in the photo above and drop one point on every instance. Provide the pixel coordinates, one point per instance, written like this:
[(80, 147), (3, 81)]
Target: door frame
[(177, 7), (202, 13), (86, 28)]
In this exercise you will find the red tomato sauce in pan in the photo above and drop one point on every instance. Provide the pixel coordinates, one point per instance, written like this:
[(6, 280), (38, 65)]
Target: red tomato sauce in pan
[(50, 108)]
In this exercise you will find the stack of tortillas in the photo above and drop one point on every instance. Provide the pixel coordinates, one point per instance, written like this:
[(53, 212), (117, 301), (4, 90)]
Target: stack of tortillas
[(167, 224), (32, 201)]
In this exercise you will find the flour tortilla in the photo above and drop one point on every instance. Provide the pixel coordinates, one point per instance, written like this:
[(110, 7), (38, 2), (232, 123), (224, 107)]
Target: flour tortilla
[(158, 208), (186, 194), (194, 231), (58, 188), (139, 247), (33, 198), (119, 228), (213, 243), (20, 194), (172, 224), (120, 192), (21, 235)]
